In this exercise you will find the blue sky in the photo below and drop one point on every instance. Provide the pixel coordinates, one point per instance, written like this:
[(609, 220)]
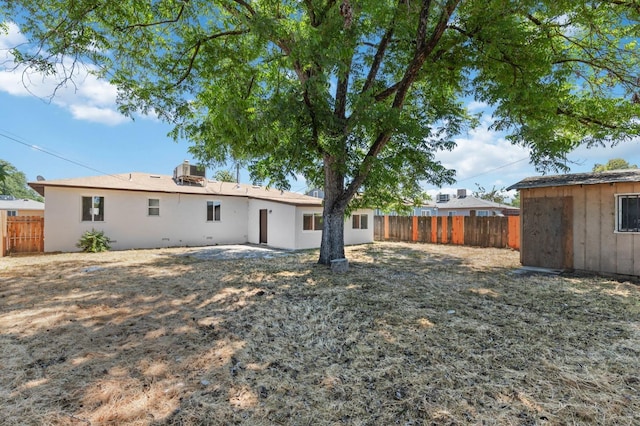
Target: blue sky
[(81, 124)]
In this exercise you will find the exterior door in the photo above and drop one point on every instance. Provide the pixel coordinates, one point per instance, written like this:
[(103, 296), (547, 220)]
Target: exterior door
[(263, 226), (547, 232)]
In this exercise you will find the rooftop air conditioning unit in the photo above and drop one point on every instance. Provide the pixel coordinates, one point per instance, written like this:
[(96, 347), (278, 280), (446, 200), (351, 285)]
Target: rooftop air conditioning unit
[(462, 193), (186, 169)]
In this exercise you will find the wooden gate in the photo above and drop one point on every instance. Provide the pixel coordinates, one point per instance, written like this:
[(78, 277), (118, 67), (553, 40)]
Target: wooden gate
[(24, 234)]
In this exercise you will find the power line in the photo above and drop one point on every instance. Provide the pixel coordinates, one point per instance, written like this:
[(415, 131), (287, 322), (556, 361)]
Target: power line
[(37, 148), (493, 170)]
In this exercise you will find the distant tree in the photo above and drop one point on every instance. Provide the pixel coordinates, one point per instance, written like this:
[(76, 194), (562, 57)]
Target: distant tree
[(3, 176), (495, 195), (224, 176), (614, 164), (515, 202), (14, 182)]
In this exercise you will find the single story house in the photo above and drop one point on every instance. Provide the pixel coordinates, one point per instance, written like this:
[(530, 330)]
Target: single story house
[(141, 210), (460, 204), (583, 221), (21, 207)]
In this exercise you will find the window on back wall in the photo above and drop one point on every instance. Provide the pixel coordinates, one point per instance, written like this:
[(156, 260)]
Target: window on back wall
[(425, 213), (154, 207), (213, 211), (11, 213), (360, 221), (93, 209), (312, 222), (482, 213), (628, 213)]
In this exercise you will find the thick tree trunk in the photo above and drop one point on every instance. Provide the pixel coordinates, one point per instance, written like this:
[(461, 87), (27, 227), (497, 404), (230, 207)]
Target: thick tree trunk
[(332, 246)]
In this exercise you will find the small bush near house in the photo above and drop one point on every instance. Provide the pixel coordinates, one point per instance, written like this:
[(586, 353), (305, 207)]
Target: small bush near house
[(94, 241)]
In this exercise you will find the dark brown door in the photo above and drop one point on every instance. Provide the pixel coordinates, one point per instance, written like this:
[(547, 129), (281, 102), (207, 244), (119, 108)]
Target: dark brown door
[(263, 226), (547, 232)]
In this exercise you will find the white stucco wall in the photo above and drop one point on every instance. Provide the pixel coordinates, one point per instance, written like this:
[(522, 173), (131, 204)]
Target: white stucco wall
[(280, 217), (182, 220), (359, 236)]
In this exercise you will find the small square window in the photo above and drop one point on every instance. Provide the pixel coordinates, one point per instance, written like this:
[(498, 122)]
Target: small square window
[(359, 221), (11, 213), (93, 209), (154, 207), (312, 222)]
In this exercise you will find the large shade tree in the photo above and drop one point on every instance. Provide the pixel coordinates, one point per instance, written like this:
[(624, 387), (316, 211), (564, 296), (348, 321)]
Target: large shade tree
[(356, 95)]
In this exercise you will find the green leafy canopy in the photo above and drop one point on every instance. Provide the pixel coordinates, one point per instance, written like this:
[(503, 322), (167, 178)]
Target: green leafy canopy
[(356, 95)]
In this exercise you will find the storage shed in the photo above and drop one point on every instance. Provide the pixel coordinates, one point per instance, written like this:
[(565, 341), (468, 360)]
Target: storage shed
[(583, 221)]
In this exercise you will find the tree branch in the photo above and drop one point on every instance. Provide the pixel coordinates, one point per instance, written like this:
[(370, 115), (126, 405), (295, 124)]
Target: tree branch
[(151, 24), (586, 120), (377, 59), (196, 49)]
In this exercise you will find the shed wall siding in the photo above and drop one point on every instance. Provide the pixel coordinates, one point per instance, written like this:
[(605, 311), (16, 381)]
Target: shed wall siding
[(596, 245), (182, 220)]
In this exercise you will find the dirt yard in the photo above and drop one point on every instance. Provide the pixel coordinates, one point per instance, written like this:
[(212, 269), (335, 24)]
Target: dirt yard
[(411, 335)]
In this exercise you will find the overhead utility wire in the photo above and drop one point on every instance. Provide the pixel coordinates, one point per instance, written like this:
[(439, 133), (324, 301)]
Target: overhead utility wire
[(53, 154), (37, 148)]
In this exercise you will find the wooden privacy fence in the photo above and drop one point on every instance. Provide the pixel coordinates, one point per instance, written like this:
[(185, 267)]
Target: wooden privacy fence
[(494, 231), (22, 234)]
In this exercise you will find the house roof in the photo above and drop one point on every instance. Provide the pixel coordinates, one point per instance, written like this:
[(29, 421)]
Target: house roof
[(145, 182), (610, 176), (21, 204), (470, 202)]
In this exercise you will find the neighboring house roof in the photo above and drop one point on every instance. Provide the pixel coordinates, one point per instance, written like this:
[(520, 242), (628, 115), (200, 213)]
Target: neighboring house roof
[(21, 204), (146, 182), (610, 176), (470, 202)]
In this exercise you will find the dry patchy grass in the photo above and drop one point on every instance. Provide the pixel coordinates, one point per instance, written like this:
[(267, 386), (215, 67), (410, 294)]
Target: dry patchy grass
[(412, 334)]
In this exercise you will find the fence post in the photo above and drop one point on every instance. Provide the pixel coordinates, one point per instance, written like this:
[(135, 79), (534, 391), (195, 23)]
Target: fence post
[(386, 227), (414, 233), (434, 229), (514, 232), (3, 233)]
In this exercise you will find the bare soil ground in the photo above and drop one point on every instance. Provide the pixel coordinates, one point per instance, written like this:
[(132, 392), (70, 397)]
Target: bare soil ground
[(412, 334)]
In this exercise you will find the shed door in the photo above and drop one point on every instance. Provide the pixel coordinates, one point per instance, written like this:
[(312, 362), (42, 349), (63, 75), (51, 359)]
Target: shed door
[(547, 232), (263, 226)]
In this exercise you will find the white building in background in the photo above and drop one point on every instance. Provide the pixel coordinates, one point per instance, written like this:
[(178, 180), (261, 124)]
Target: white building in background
[(141, 210)]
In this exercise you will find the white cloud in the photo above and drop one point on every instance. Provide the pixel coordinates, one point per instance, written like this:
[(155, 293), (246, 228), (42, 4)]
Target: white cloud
[(84, 96), (482, 152), (477, 106)]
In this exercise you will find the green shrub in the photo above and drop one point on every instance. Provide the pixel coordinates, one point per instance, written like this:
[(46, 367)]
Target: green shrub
[(94, 241)]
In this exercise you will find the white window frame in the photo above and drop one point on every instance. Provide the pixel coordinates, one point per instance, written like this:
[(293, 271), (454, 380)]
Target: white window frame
[(316, 222), (153, 207), (93, 211), (356, 221), (482, 213), (216, 207), (425, 213), (619, 219), (12, 213)]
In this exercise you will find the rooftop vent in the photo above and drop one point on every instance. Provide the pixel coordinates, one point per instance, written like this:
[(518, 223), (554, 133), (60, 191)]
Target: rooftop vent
[(443, 198)]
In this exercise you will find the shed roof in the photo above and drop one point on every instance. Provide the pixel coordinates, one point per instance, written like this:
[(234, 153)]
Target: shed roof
[(610, 176), (145, 182), (21, 204)]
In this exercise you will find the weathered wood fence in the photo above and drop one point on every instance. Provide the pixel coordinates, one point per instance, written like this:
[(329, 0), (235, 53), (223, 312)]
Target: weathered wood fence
[(21, 234), (495, 231)]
